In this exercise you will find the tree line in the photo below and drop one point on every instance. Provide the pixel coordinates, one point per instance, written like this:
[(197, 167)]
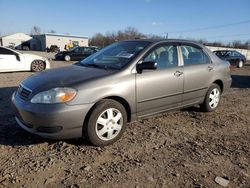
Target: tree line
[(101, 40)]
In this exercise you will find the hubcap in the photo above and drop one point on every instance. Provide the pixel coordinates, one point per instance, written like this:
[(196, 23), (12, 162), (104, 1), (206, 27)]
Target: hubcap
[(38, 65), (240, 64), (109, 124), (67, 58), (214, 98)]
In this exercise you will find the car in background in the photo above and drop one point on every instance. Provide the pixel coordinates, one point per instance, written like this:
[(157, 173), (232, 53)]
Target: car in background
[(234, 57), (76, 53), (96, 97), (11, 45), (12, 60), (53, 48)]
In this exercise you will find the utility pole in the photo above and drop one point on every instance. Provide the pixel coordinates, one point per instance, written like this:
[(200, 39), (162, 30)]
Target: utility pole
[(166, 35)]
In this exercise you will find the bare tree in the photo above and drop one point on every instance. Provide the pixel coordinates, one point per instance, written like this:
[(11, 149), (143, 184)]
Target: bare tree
[(36, 30), (51, 31), (101, 40)]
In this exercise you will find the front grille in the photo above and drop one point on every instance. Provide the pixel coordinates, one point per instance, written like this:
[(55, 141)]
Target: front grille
[(24, 92)]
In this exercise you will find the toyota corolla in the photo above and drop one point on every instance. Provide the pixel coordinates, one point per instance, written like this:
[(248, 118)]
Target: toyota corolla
[(96, 97)]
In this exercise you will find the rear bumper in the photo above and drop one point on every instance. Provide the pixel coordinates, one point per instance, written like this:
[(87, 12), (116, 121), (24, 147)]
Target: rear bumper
[(54, 121)]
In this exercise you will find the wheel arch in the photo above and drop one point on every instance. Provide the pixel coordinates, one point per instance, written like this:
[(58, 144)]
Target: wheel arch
[(220, 84), (121, 100)]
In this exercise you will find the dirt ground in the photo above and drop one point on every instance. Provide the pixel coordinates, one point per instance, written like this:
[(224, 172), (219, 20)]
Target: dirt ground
[(185, 148)]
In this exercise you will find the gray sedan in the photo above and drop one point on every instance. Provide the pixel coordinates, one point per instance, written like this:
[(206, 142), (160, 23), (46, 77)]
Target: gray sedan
[(97, 97)]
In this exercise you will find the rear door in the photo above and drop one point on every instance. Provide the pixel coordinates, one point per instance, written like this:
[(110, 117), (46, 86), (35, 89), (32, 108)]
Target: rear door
[(198, 72), (230, 57), (161, 89), (10, 61)]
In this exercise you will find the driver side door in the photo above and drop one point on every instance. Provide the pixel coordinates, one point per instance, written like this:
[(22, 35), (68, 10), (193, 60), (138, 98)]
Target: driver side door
[(161, 89)]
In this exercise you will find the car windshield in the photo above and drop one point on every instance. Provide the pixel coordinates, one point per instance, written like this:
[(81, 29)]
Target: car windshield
[(72, 49), (115, 56)]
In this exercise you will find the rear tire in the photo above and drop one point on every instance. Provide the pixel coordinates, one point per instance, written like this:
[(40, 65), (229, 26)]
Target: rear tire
[(106, 123), (240, 64), (212, 99), (37, 66)]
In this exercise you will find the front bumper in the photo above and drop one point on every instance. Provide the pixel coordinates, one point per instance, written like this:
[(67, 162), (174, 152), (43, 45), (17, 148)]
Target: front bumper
[(54, 121), (59, 57)]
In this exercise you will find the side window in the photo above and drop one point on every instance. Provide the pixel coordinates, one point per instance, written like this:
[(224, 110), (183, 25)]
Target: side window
[(236, 54), (4, 51), (194, 56), (88, 50), (77, 50), (165, 56), (229, 54)]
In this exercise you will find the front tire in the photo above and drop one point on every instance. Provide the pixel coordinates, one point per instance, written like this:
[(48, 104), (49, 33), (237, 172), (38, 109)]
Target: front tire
[(212, 99), (67, 58), (106, 123), (240, 64), (37, 66)]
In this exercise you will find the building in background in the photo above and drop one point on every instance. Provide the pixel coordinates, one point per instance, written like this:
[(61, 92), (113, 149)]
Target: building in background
[(15, 40), (63, 41)]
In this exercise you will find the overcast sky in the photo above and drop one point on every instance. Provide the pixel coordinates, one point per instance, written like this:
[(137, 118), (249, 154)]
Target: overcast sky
[(222, 20)]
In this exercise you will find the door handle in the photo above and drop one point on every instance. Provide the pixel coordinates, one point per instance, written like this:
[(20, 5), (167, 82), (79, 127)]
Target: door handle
[(178, 73), (210, 68)]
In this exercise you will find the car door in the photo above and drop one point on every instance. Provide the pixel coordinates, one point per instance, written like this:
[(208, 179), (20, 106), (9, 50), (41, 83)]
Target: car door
[(88, 51), (229, 57), (10, 61), (161, 89), (198, 72), (75, 54)]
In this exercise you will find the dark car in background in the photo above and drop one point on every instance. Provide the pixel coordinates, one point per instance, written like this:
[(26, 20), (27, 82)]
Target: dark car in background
[(234, 57), (76, 53)]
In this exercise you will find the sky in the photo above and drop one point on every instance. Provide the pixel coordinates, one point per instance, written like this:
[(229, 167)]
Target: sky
[(214, 20)]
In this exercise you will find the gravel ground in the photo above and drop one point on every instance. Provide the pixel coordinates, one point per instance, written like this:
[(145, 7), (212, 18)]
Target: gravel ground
[(185, 148)]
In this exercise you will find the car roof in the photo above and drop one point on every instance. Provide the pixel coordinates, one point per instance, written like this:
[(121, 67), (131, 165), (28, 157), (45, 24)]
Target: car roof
[(225, 51), (166, 40)]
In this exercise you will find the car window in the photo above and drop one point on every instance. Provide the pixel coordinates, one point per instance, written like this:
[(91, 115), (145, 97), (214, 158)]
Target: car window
[(165, 56), (88, 50), (193, 56), (4, 51), (229, 54), (77, 50), (117, 55), (220, 53), (236, 54)]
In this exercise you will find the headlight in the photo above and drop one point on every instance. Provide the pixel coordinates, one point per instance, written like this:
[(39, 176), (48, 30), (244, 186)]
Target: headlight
[(55, 95)]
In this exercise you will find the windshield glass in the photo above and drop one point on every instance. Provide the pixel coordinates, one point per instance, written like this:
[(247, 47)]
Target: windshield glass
[(72, 49), (115, 56)]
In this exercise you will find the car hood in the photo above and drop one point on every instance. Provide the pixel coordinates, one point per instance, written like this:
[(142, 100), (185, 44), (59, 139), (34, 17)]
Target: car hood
[(62, 53), (69, 76)]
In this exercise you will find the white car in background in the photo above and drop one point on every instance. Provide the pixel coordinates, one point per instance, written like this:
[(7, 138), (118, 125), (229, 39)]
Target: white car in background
[(12, 60)]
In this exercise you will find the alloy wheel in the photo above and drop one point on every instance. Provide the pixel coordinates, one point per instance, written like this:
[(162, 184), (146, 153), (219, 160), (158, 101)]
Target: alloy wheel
[(38, 65)]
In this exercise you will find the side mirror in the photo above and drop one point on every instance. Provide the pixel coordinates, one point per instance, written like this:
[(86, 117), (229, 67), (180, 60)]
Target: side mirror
[(17, 57), (147, 65)]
